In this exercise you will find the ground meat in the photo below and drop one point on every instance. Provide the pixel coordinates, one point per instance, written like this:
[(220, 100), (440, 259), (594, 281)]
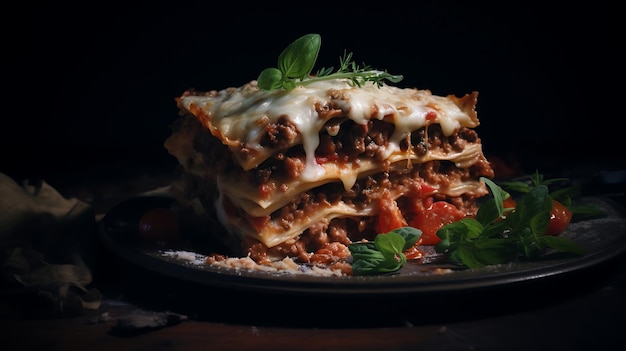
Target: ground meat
[(280, 134), (293, 247), (331, 252), (328, 110), (359, 141)]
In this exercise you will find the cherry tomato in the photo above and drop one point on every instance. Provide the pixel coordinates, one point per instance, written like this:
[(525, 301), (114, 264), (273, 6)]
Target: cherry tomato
[(560, 217), (159, 224), (436, 216)]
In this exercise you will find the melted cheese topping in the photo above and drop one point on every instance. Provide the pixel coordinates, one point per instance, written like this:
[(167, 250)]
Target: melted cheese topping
[(238, 115)]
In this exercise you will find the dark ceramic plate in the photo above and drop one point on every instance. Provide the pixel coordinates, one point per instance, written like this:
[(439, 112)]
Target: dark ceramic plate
[(603, 238)]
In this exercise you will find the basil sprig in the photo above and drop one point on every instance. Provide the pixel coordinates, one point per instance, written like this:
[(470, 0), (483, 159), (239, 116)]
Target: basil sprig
[(500, 235), (297, 60), (385, 253)]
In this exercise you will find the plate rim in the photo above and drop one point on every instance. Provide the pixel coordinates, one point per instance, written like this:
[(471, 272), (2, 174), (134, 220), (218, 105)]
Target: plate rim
[(394, 284)]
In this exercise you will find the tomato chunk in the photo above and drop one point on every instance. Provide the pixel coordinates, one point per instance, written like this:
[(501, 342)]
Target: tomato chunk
[(436, 216), (509, 202), (390, 216)]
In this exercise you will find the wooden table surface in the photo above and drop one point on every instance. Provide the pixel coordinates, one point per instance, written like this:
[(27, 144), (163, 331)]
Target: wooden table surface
[(582, 310), (586, 313)]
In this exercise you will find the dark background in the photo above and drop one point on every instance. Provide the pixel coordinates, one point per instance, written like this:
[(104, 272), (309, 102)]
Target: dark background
[(85, 86)]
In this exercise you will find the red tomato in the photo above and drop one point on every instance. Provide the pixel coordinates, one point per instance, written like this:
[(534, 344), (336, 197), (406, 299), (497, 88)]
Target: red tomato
[(159, 224), (509, 202), (431, 116), (436, 216), (560, 216), (390, 216), (414, 253)]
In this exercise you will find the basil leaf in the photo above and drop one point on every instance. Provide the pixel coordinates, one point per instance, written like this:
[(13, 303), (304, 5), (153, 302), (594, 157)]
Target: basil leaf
[(495, 251), (411, 236), (565, 195), (270, 79), (466, 255), (362, 247), (497, 229), (498, 195), (473, 228), (587, 211), (297, 60), (450, 236), (489, 212), (531, 203), (385, 253), (390, 242), (560, 243), (538, 224), (369, 262), (518, 186)]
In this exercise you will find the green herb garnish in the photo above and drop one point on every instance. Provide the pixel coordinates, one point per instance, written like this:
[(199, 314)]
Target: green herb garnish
[(385, 253), (563, 195), (297, 60), (500, 235), (497, 235)]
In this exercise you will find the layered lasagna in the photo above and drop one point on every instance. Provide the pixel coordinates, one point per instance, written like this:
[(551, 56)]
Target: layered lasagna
[(303, 173)]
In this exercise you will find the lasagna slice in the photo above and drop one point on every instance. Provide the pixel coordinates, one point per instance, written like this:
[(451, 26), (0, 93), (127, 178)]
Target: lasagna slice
[(303, 173)]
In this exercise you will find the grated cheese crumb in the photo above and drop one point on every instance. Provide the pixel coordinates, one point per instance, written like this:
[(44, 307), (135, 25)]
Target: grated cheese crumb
[(287, 265)]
